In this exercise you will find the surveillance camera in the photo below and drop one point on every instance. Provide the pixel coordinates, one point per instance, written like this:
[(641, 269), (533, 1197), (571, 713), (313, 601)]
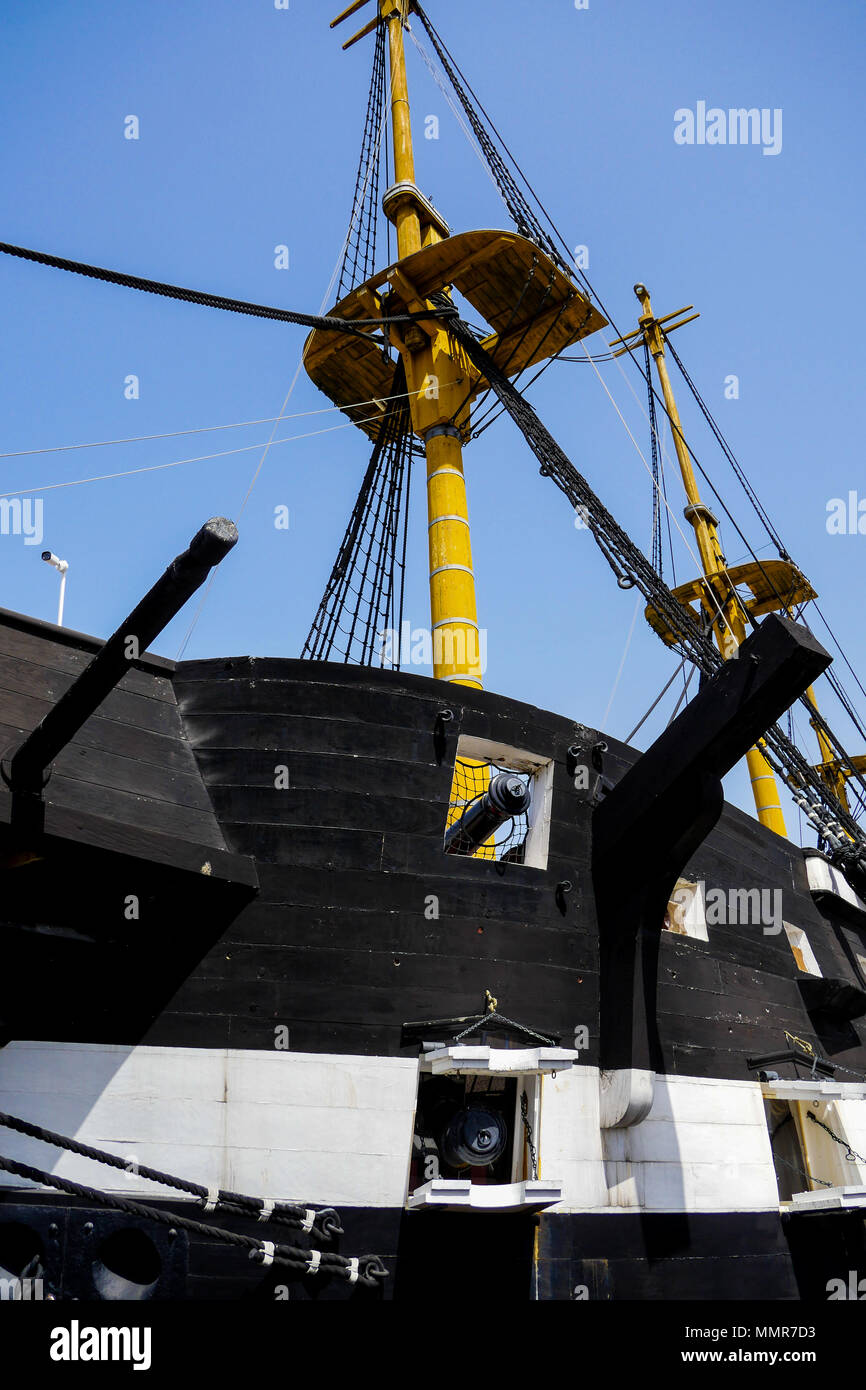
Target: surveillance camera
[(50, 559)]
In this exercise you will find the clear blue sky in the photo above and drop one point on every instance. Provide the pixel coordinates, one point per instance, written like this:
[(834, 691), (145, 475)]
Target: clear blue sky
[(250, 123)]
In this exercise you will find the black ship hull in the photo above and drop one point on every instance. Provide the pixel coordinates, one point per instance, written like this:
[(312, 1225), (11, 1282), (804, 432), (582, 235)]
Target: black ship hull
[(259, 1020)]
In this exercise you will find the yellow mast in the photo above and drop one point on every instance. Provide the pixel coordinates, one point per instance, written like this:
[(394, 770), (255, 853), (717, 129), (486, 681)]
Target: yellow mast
[(719, 599), (437, 379), (442, 384), (534, 310)]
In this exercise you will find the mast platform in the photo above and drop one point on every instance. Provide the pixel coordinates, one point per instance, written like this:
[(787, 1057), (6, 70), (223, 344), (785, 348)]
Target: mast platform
[(765, 581), (533, 308)]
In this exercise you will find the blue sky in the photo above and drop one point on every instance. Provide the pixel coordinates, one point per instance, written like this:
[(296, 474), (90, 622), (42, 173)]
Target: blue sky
[(250, 123)]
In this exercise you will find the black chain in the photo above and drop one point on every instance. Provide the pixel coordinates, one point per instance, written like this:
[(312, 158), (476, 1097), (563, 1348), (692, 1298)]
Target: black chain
[(852, 1154), (524, 1115)]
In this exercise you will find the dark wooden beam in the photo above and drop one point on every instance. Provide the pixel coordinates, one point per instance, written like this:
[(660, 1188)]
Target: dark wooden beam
[(647, 827), (26, 769)]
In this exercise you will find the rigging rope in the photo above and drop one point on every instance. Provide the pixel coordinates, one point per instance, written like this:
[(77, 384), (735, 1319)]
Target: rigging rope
[(201, 429), (326, 1222), (521, 213), (809, 790), (216, 301), (365, 1269), (359, 256), (198, 458), (366, 585), (657, 511), (632, 568)]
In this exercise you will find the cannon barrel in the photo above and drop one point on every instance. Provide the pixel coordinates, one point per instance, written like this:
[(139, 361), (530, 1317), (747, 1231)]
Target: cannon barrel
[(26, 769), (505, 798)]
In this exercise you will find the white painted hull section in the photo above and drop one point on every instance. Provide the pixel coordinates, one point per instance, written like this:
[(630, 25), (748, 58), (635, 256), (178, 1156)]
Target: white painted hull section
[(324, 1129), (337, 1130)]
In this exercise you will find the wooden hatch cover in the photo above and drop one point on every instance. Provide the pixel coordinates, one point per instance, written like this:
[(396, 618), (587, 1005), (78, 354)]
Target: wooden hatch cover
[(514, 285)]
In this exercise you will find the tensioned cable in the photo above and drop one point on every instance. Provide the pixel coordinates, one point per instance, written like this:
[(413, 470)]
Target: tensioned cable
[(799, 775), (657, 701), (215, 301), (199, 458), (451, 66), (632, 568), (833, 680), (800, 772), (374, 156), (204, 429), (682, 695), (623, 660), (452, 104), (714, 598)]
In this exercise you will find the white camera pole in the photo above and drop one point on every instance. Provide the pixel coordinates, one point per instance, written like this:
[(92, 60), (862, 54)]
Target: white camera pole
[(61, 566)]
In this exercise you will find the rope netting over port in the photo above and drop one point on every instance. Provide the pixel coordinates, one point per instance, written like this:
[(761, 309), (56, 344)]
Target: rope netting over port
[(472, 777)]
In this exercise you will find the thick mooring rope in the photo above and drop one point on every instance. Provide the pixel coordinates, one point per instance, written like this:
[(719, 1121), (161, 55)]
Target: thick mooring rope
[(365, 1269)]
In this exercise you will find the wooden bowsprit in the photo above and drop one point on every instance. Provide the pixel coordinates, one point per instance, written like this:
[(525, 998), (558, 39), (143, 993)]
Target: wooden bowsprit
[(647, 828)]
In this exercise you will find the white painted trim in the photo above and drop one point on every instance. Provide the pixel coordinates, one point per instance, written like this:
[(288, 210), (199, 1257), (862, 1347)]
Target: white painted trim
[(447, 622), (826, 878), (459, 1194), (541, 807), (321, 1129), (827, 1199), (625, 1097), (455, 473), (808, 1089), (799, 941), (477, 1060), (465, 569)]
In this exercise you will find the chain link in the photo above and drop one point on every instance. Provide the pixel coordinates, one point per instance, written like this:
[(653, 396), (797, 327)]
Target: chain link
[(524, 1115)]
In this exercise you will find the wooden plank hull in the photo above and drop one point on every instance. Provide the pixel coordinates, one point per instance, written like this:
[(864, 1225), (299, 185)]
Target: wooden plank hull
[(257, 1040)]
